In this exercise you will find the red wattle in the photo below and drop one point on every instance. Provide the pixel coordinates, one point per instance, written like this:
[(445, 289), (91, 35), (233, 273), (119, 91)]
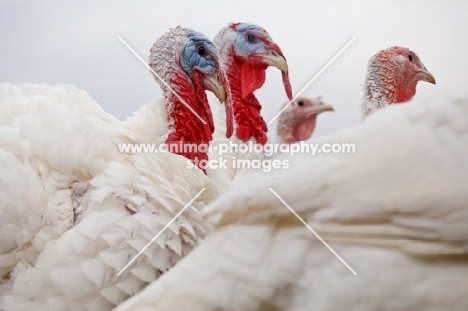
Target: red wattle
[(186, 127), (252, 78), (404, 93), (303, 131), (244, 80)]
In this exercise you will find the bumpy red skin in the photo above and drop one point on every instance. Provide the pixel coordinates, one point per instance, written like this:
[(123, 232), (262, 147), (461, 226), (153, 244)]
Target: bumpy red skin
[(398, 85), (245, 77), (186, 127)]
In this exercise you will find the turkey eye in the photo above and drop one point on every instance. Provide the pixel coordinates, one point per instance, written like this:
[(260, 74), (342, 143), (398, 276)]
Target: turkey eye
[(300, 103), (251, 38), (201, 51), (410, 57)]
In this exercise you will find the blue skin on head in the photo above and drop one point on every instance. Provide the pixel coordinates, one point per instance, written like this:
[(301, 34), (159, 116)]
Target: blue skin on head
[(250, 40), (200, 54)]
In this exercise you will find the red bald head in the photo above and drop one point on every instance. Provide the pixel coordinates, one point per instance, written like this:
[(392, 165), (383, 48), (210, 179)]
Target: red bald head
[(399, 70), (297, 122), (246, 51), (186, 64), (392, 77)]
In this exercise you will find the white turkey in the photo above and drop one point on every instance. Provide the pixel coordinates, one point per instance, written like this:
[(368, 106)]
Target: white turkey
[(395, 211), (82, 207), (392, 76), (246, 50)]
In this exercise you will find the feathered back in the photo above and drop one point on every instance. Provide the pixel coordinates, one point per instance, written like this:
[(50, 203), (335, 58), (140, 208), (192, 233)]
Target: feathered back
[(395, 211)]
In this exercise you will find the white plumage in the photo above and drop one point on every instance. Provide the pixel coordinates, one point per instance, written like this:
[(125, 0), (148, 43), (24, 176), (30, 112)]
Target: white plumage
[(76, 210), (395, 211), (48, 139)]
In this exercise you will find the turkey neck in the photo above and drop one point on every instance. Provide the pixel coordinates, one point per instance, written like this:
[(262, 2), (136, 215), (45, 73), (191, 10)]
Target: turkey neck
[(184, 126), (244, 79), (381, 88)]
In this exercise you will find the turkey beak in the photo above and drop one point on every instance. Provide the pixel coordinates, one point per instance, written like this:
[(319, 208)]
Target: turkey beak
[(319, 109), (213, 84), (272, 58), (425, 75)]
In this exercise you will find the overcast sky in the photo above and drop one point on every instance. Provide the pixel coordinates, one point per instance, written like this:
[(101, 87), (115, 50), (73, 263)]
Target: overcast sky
[(75, 42)]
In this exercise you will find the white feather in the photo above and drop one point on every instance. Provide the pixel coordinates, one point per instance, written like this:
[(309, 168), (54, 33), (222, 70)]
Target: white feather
[(77, 209), (59, 155), (395, 211)]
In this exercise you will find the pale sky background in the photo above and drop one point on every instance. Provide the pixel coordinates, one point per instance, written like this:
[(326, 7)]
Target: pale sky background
[(75, 42)]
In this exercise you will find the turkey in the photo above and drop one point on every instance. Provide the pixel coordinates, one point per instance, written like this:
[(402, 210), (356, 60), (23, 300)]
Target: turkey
[(297, 122), (395, 212), (85, 208), (392, 75), (246, 50)]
